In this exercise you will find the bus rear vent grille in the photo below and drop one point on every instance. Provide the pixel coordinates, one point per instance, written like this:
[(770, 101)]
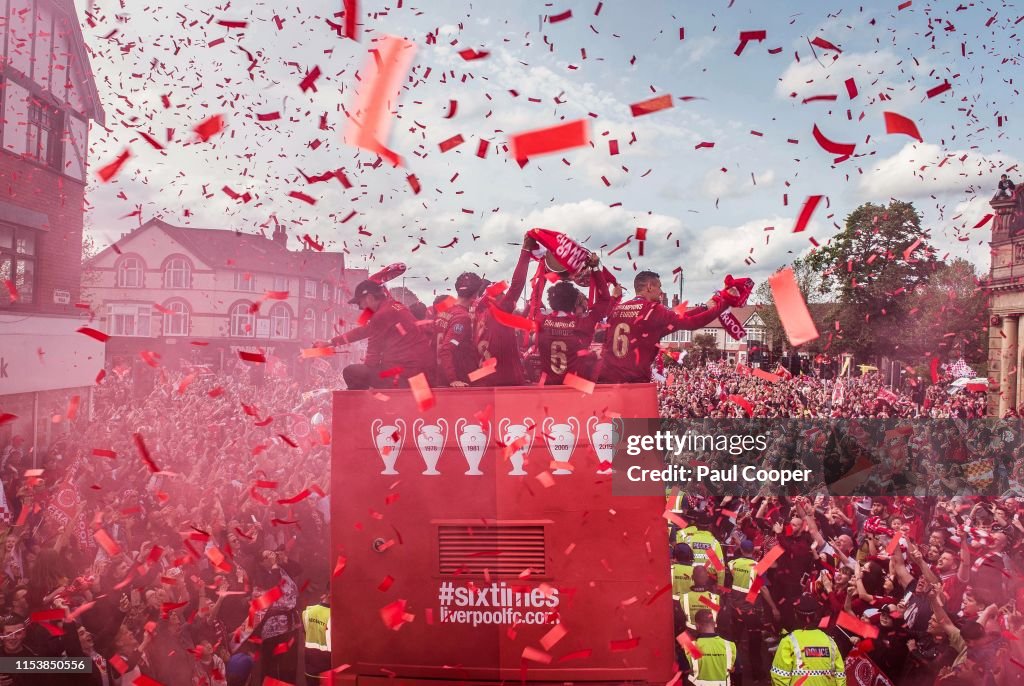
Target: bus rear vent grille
[(505, 551)]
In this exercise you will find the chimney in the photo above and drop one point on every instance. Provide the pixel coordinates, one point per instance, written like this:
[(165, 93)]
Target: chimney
[(280, 236)]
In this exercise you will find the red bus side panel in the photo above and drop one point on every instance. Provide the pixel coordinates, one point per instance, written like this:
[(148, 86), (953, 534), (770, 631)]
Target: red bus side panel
[(481, 538)]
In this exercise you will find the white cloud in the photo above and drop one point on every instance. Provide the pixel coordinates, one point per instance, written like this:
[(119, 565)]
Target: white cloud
[(735, 183), (915, 172)]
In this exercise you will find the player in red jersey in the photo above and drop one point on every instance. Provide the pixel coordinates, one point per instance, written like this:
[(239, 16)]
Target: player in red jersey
[(564, 336), (456, 352), (636, 327), (494, 339), (396, 347)]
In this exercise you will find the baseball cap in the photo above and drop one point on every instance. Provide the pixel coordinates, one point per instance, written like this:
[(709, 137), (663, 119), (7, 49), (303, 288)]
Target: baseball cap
[(747, 547), (366, 287)]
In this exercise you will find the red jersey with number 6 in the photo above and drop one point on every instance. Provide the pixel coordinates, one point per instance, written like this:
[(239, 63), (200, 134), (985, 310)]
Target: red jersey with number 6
[(564, 338), (635, 330)]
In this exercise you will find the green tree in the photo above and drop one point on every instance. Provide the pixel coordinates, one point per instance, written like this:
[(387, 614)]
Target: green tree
[(705, 344), (948, 316), (873, 266)]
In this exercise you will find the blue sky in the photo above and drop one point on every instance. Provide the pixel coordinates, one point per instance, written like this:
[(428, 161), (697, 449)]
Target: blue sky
[(633, 52)]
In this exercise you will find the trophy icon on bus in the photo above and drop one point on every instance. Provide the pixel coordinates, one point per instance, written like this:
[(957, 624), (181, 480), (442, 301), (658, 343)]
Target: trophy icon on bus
[(473, 442), (430, 440), (604, 436), (561, 440), (388, 439), (520, 435)]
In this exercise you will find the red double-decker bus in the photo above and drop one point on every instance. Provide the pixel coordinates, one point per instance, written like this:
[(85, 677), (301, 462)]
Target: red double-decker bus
[(482, 542)]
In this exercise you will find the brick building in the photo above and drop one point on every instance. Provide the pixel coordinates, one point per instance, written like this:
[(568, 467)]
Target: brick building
[(47, 99), (197, 296)]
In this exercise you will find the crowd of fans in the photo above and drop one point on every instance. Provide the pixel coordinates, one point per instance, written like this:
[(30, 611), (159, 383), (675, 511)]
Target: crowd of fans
[(209, 493), (177, 533)]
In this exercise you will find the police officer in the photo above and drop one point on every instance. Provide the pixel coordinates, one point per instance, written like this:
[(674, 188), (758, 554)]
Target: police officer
[(808, 651), (316, 620), (701, 541), (717, 655)]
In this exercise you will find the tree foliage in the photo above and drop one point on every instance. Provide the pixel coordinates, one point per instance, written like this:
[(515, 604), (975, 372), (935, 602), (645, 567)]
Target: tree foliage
[(874, 266), (949, 316)]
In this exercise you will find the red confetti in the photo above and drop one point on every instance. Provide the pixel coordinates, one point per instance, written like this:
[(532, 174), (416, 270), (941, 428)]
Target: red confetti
[(805, 214), (662, 102), (555, 18), (747, 36), (383, 82), (552, 139), (257, 358), (984, 220), (792, 309), (106, 173), (299, 195), (421, 392), (469, 54), (851, 88), (830, 145), (140, 445), (309, 81), (897, 123), (270, 116), (452, 142), (351, 10), (107, 543), (940, 89), (824, 44), (208, 128)]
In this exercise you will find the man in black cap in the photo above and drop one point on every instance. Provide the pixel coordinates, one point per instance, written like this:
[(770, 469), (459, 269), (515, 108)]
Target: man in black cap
[(396, 349), (1006, 187)]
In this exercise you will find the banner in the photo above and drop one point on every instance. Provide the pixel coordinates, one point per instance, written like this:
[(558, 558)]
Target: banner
[(563, 250), (733, 327), (861, 671)]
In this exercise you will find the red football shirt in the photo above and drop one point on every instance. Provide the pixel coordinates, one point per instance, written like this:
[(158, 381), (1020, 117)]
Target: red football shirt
[(495, 340), (635, 329), (393, 340), (564, 338), (456, 354)]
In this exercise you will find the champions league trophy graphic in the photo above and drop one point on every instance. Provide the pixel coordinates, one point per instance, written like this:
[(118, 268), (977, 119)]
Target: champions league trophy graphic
[(604, 436), (510, 433), (388, 439), (473, 442), (430, 440), (561, 440)]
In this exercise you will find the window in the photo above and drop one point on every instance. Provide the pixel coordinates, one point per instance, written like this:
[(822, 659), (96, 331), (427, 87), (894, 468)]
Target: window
[(325, 324), (177, 273), (244, 281), (280, 283), (309, 325), (755, 335), (280, 321), (128, 320), (243, 322), (45, 131), (176, 322), (129, 273), (325, 292), (17, 262), (310, 287)]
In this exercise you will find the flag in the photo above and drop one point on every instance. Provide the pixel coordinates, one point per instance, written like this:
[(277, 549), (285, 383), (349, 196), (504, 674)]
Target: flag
[(5, 509), (960, 369), (980, 473), (888, 396), (783, 372)]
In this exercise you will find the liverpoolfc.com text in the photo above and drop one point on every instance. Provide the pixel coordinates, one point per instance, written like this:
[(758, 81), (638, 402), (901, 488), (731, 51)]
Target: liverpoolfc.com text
[(497, 603), (667, 443)]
